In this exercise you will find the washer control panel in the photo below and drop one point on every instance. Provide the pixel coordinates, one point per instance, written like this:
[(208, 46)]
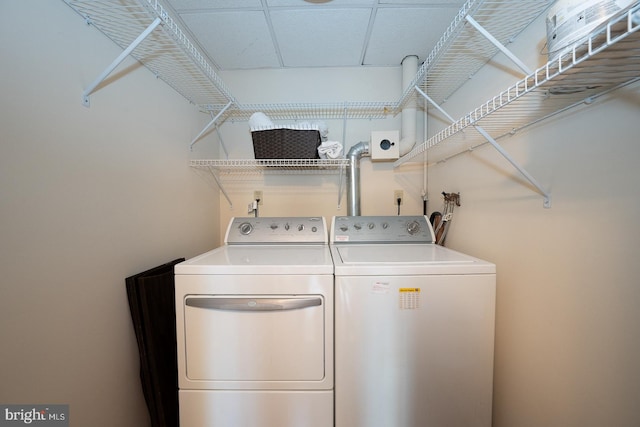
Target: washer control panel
[(290, 230), (381, 229)]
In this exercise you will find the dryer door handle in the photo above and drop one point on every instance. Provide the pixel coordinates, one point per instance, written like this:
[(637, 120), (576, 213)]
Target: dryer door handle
[(253, 304)]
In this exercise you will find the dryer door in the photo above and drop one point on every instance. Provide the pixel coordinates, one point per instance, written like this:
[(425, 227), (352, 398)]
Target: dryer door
[(249, 341)]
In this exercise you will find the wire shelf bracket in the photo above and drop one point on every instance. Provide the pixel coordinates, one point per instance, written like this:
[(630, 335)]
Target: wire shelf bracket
[(211, 123), (88, 91), (506, 155), (498, 147), (214, 174), (222, 144), (499, 45), (435, 104)]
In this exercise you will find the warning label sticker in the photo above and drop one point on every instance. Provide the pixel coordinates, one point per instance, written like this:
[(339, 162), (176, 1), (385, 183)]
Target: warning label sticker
[(380, 288), (409, 298)]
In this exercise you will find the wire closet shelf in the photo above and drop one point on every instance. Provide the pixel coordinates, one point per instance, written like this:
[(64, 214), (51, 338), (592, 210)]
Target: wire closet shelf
[(280, 166), (606, 60)]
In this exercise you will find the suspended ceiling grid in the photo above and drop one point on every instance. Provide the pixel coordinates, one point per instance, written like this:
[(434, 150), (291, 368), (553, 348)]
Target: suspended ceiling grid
[(255, 34)]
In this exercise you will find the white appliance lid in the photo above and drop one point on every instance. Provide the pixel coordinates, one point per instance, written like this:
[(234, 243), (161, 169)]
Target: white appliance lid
[(261, 259), (402, 259)]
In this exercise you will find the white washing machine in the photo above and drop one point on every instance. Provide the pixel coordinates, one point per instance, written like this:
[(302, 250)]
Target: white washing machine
[(414, 327), (255, 327)]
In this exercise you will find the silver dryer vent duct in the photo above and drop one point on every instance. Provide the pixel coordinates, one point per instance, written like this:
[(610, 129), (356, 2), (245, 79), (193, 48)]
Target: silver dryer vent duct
[(353, 179)]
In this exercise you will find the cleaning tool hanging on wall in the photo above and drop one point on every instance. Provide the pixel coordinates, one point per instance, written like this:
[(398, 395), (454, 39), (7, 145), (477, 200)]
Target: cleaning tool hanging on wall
[(442, 221)]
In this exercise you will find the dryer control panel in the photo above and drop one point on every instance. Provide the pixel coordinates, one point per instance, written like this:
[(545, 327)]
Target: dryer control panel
[(381, 229), (286, 230)]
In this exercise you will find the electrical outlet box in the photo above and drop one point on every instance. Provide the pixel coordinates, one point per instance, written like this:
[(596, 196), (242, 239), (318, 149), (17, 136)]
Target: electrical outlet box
[(257, 195), (385, 145), (398, 194)]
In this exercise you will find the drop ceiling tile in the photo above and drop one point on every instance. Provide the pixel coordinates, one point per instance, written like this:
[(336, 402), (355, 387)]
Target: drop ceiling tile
[(234, 39), (390, 41), (321, 37), (453, 3), (239, 34), (183, 5), (317, 3)]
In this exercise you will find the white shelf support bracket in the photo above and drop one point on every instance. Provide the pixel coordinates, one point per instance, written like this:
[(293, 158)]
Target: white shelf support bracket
[(88, 91), (342, 172), (206, 128), (499, 45), (222, 145), (220, 186), (432, 102), (527, 175), (340, 183)]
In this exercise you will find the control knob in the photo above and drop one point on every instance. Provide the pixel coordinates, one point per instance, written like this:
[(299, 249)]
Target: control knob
[(245, 228), (413, 227)]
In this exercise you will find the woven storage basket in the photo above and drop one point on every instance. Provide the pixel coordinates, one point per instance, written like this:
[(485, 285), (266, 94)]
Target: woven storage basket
[(285, 144)]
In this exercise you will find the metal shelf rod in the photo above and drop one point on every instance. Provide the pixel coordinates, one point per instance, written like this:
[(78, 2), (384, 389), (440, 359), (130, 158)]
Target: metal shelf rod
[(222, 144), (217, 116), (499, 45), (432, 102), (506, 155), (118, 60), (220, 186)]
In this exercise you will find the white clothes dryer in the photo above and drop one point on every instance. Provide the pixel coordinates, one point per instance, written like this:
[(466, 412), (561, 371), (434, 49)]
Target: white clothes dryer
[(255, 327), (414, 327)]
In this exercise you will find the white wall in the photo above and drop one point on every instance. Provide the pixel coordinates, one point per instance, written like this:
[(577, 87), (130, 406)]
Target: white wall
[(88, 196), (567, 321)]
